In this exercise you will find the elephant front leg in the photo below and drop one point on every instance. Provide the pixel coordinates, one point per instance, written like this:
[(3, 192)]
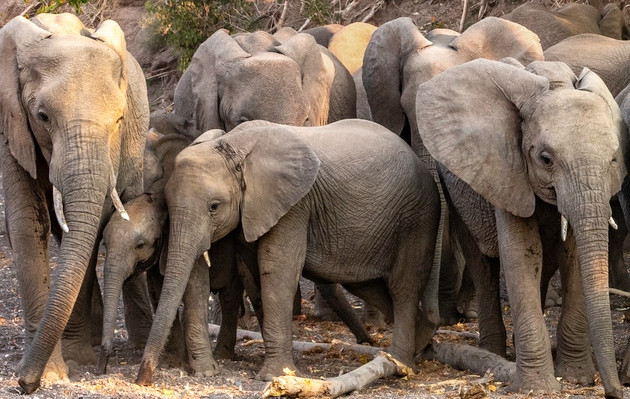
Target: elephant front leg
[(574, 361), (281, 255), (231, 298), (200, 358), (138, 310), (28, 228), (520, 250)]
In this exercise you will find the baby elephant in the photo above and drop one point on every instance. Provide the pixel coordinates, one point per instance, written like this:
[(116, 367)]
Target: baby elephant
[(348, 202)]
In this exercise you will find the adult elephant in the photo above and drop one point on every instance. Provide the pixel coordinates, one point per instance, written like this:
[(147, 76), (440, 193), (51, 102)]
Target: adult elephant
[(517, 186), (609, 58), (553, 26), (397, 60), (232, 79), (379, 244), (74, 117)]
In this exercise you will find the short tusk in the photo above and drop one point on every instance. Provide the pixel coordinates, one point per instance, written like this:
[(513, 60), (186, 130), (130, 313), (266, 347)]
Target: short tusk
[(206, 257), (116, 199), (612, 223), (564, 227), (58, 202)]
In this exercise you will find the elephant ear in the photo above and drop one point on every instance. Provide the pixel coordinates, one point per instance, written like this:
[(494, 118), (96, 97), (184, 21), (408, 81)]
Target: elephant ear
[(279, 169), (591, 82), (384, 57), (198, 94), (208, 136), (481, 144), (110, 33), (495, 38), (16, 36), (318, 73)]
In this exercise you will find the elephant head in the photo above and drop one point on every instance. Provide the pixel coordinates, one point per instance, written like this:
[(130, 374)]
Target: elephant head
[(74, 112), (398, 58), (514, 135), (231, 80), (135, 246), (216, 186)]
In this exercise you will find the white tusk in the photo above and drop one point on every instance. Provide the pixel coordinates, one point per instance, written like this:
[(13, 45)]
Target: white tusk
[(58, 202), (116, 199), (206, 257), (612, 223), (118, 204), (564, 227)]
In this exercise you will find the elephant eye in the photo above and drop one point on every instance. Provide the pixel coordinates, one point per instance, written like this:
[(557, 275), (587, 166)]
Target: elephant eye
[(546, 158), (141, 245), (43, 116), (214, 206)]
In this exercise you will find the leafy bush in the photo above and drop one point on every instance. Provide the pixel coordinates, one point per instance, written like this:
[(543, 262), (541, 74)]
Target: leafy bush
[(53, 5), (185, 24)]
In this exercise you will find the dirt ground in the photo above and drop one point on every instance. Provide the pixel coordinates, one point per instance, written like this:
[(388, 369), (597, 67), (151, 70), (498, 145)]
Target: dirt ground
[(236, 379)]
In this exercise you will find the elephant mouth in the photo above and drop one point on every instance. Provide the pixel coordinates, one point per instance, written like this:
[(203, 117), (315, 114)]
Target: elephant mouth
[(548, 194)]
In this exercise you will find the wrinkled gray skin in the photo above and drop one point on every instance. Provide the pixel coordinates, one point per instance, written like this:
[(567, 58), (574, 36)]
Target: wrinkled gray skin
[(397, 60), (515, 215), (553, 26), (338, 211), (609, 58), (84, 136), (233, 79)]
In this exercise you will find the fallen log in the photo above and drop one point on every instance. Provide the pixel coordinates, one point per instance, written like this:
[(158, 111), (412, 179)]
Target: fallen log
[(384, 365), (466, 357), (302, 346)]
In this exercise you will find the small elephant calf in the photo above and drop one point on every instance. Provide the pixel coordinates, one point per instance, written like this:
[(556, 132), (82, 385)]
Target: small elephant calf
[(348, 202)]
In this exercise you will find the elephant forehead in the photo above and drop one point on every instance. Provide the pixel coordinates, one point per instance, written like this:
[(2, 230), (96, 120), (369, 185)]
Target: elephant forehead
[(585, 121), (262, 67)]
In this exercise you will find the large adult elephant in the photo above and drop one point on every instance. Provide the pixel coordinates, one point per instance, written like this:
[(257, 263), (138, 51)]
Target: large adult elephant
[(607, 57), (526, 153), (233, 79), (74, 117), (306, 196), (553, 26)]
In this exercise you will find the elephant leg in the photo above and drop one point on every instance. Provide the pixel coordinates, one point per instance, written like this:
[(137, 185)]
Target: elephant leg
[(373, 317), (28, 227), (322, 307), (96, 314), (138, 310), (247, 268), (450, 277), (375, 294), (406, 282), (297, 301), (574, 361), (520, 250), (336, 298), (200, 358), (231, 298), (485, 273), (175, 348), (467, 296), (618, 274), (281, 257), (76, 340)]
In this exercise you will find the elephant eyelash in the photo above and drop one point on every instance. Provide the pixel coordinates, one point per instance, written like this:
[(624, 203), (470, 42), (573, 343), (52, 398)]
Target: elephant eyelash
[(43, 116)]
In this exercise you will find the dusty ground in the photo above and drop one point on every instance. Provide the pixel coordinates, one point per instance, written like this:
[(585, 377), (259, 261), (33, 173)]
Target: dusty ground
[(236, 378)]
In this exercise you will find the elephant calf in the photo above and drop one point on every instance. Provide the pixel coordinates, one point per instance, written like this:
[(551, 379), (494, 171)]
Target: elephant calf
[(348, 202)]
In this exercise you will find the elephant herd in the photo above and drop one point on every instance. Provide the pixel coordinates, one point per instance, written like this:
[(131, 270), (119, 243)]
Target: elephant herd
[(379, 158)]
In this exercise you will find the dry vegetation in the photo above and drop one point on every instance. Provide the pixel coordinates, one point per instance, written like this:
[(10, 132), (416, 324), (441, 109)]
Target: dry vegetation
[(236, 378)]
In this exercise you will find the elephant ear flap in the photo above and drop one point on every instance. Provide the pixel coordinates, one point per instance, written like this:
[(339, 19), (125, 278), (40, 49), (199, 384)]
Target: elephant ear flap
[(64, 23), (279, 169), (591, 82), (390, 44), (16, 36), (110, 33), (197, 92), (318, 73), (481, 144)]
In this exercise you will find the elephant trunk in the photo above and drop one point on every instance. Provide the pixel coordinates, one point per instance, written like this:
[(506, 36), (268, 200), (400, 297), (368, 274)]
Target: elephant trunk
[(113, 280), (590, 227), (184, 249), (83, 177)]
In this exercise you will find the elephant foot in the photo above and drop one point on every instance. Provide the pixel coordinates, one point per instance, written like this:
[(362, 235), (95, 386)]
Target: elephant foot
[(145, 374), (468, 310), (271, 369), (29, 386), (78, 352), (535, 384), (553, 298), (204, 368), (581, 373), (222, 352), (374, 317)]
